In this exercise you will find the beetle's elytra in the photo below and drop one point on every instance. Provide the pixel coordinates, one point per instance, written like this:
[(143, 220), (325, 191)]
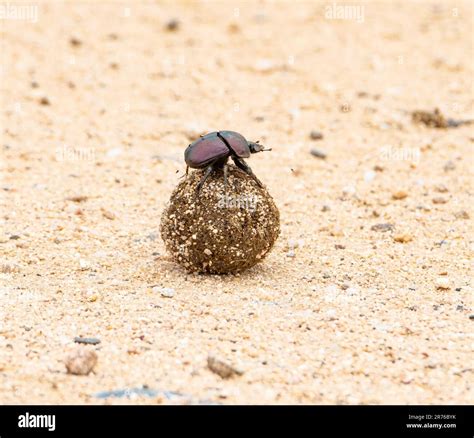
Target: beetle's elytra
[(212, 151)]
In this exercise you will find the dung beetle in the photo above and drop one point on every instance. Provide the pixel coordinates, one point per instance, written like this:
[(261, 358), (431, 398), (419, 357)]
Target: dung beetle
[(212, 151)]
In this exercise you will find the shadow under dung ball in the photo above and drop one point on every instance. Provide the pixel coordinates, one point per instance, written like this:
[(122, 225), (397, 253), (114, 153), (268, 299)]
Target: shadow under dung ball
[(220, 231)]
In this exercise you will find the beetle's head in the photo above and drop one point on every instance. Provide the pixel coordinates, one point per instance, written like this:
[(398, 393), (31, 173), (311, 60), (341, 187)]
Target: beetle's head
[(256, 147)]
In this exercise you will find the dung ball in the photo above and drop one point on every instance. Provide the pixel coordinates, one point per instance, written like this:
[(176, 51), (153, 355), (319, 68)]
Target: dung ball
[(222, 229)]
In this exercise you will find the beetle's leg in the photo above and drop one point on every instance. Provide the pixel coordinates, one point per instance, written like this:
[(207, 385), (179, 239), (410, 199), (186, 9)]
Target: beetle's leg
[(207, 172), (185, 174), (225, 179), (241, 164)]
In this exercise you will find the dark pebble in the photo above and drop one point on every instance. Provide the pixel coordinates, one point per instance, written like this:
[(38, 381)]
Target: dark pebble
[(14, 237), (471, 317), (75, 42), (318, 154), (316, 135), (89, 341), (77, 198), (172, 25)]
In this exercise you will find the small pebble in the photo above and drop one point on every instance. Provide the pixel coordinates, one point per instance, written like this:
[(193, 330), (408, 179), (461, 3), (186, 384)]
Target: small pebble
[(382, 227), (221, 368), (316, 135), (436, 120), (84, 265), (208, 252), (471, 317), (44, 101), (441, 188), (433, 119), (369, 175), (318, 154), (439, 200), (89, 341), (75, 42), (442, 283), (172, 25), (325, 208), (345, 108), (339, 246), (108, 214), (164, 291), (463, 214), (403, 238), (449, 166), (14, 237), (77, 198), (81, 362), (152, 236), (400, 194), (233, 28)]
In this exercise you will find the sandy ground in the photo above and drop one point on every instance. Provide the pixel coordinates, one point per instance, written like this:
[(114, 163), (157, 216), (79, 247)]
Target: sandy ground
[(99, 101)]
